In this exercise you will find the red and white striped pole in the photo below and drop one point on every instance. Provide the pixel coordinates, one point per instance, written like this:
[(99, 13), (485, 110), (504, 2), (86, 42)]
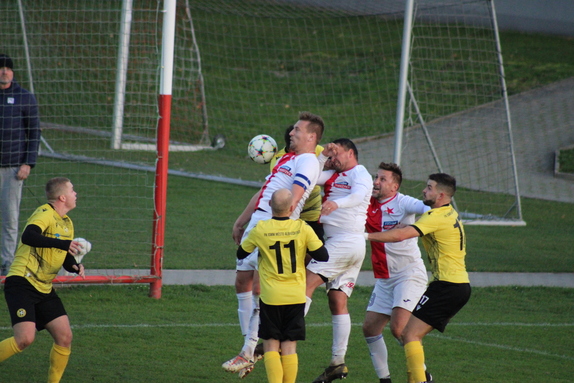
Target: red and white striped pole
[(163, 129)]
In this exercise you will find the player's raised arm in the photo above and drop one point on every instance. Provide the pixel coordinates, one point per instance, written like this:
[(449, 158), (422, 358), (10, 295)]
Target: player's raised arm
[(244, 217)]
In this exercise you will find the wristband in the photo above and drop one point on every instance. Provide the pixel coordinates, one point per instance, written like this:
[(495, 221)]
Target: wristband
[(366, 236)]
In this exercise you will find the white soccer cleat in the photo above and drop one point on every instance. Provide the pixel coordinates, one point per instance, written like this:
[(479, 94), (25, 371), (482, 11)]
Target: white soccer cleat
[(237, 363)]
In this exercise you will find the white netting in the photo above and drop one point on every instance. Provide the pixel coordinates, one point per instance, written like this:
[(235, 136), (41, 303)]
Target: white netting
[(259, 63)]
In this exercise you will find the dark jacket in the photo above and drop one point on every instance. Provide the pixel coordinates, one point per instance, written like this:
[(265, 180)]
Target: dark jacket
[(19, 127)]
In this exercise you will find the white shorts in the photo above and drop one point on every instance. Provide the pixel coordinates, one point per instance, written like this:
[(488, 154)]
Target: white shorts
[(250, 263), (403, 290), (346, 255)]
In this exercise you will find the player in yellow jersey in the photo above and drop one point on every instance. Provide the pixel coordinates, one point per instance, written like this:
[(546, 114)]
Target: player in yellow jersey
[(45, 247), (283, 244), (298, 171), (445, 242)]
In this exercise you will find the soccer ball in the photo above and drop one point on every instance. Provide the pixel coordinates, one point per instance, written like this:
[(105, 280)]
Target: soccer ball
[(262, 148), (86, 246)]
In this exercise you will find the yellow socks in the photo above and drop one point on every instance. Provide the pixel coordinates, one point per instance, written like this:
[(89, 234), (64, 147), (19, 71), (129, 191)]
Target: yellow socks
[(273, 367), (415, 362), (59, 357), (290, 367), (8, 348), (281, 368)]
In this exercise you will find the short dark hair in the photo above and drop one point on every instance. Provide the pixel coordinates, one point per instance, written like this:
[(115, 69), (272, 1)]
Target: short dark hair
[(348, 145), (445, 182), (395, 169), (55, 187), (316, 125)]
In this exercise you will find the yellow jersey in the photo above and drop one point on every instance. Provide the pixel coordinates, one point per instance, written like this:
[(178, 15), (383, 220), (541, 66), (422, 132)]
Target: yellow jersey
[(40, 265), (312, 209), (445, 242), (282, 245)]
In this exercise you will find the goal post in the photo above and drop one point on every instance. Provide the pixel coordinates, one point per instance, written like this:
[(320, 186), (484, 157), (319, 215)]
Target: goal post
[(163, 130), (74, 56), (456, 138)]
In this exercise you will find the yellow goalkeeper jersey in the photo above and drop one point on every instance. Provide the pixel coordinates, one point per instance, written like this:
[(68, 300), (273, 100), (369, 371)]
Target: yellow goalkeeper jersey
[(41, 265), (312, 208), (282, 244), (445, 242)]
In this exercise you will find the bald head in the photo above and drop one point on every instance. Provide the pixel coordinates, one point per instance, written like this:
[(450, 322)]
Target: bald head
[(281, 203)]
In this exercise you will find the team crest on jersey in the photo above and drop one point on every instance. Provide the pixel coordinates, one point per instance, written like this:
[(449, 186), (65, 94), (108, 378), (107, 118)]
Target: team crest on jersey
[(285, 170), (21, 313), (387, 225), (342, 185)]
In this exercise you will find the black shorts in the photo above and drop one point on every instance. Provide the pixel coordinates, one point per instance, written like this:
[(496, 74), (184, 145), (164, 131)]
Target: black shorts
[(282, 323), (318, 229), (440, 302), (26, 304)]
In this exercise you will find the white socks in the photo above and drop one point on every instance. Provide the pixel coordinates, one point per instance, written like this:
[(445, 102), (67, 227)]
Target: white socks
[(379, 355), (341, 333), (252, 336), (244, 310)]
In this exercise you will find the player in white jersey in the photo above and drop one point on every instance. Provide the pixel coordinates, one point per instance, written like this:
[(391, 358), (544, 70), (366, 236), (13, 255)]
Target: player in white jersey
[(400, 274), (347, 191), (298, 172)]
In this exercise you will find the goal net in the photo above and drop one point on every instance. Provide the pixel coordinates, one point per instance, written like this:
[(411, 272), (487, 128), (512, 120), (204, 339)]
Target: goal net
[(340, 59), (94, 67), (247, 67)]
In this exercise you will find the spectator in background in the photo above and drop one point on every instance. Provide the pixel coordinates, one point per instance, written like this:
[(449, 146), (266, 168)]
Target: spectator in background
[(19, 142)]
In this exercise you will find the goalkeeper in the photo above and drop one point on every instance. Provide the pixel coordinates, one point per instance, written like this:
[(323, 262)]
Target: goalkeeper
[(45, 247)]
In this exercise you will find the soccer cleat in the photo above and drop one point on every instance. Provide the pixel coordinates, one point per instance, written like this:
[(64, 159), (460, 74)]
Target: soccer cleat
[(257, 356), (385, 380), (246, 371), (258, 352), (237, 363), (428, 377), (333, 372)]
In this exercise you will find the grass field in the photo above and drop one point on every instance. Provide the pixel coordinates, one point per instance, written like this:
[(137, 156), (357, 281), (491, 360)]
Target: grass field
[(503, 335)]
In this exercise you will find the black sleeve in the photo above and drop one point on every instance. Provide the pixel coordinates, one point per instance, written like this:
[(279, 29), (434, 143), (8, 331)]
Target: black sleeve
[(418, 230), (241, 254), (32, 236), (320, 254), (69, 264)]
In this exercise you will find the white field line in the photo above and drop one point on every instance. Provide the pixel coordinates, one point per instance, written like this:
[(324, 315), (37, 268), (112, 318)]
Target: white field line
[(434, 335), (501, 346), (202, 325)]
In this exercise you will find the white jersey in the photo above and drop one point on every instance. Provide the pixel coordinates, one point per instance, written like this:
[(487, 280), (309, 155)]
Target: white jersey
[(389, 259), (302, 170), (351, 190)]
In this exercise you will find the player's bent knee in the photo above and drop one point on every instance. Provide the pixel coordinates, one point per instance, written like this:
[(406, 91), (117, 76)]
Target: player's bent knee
[(63, 338), (24, 341)]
